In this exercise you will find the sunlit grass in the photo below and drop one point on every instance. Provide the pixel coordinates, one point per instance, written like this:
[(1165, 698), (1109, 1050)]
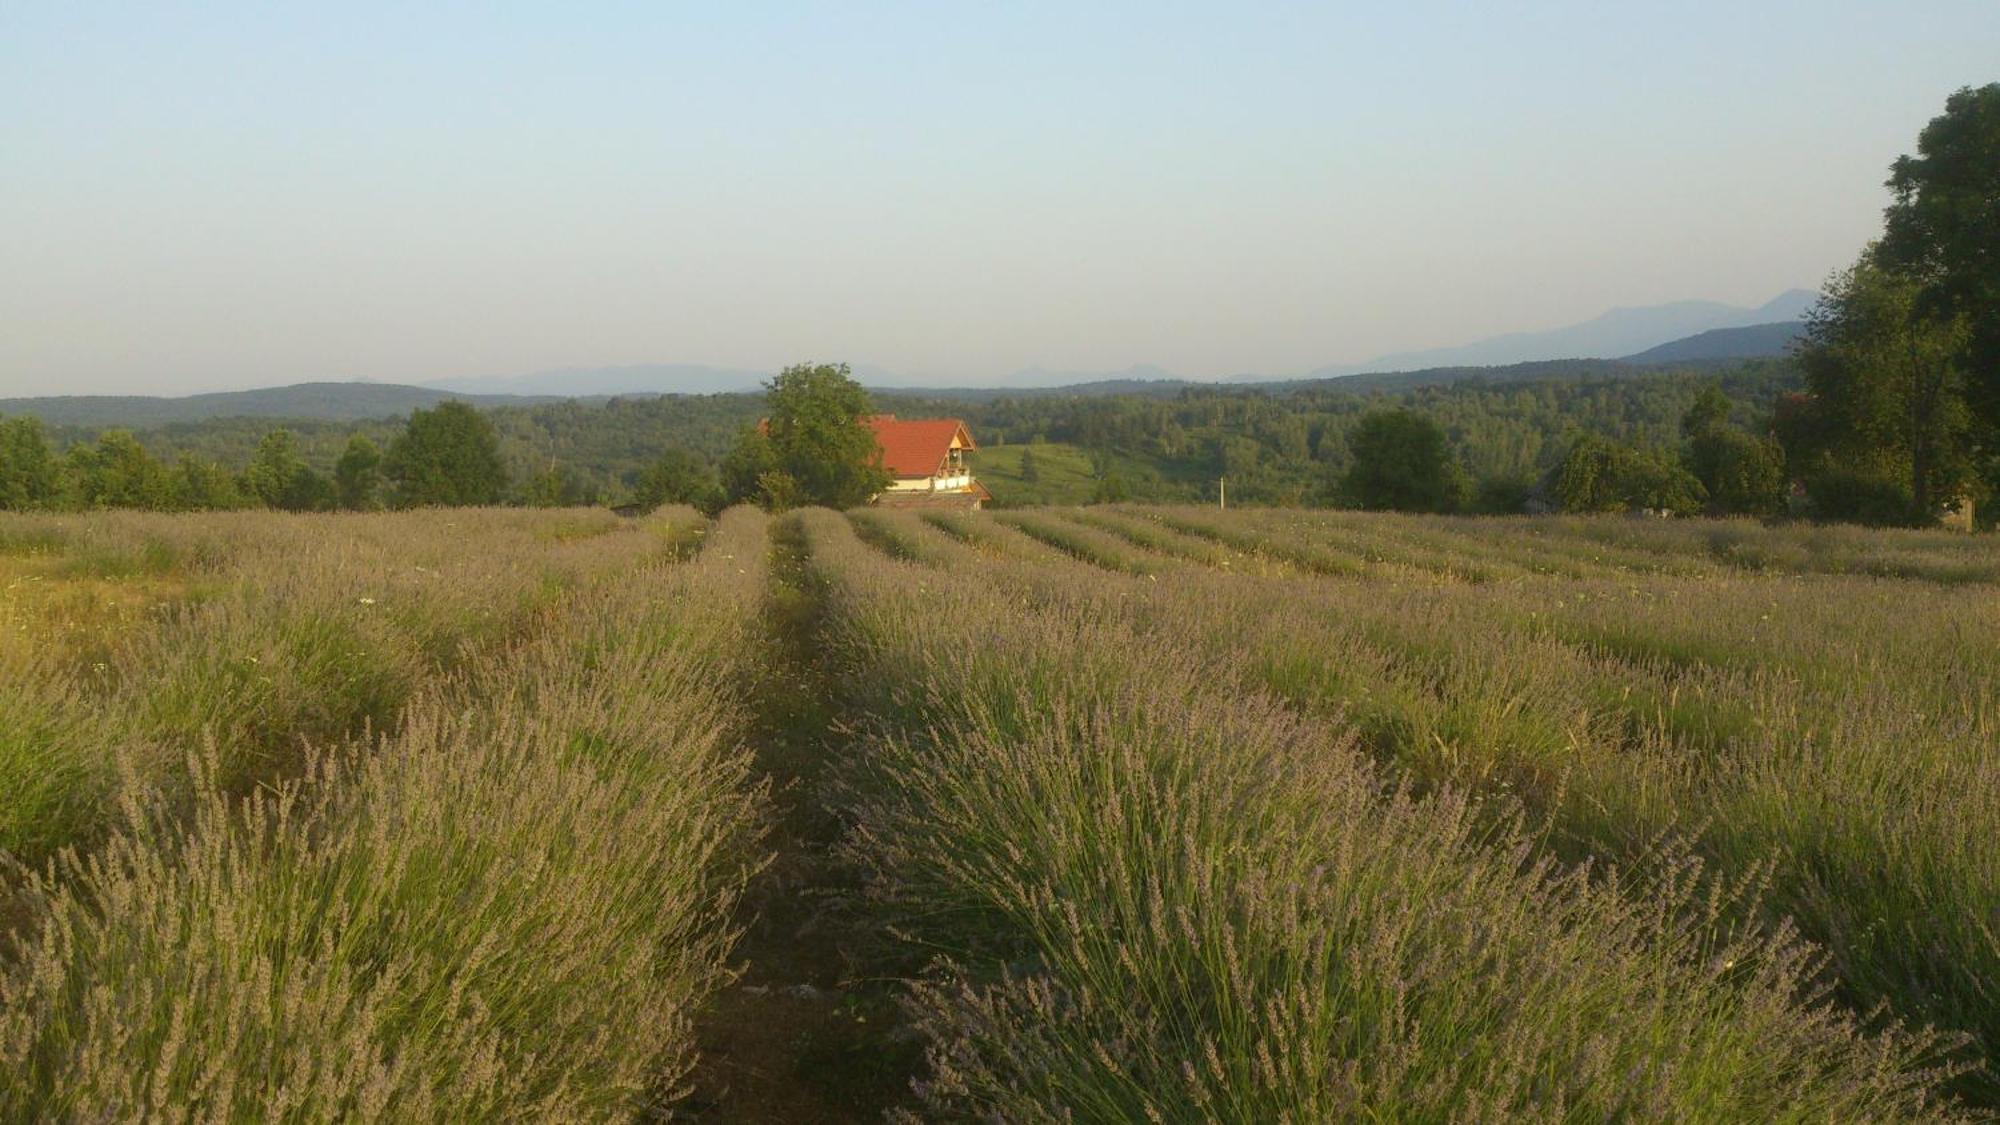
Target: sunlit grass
[(508, 907)]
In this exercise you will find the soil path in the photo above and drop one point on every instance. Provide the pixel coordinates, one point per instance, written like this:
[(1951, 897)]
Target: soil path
[(812, 1032)]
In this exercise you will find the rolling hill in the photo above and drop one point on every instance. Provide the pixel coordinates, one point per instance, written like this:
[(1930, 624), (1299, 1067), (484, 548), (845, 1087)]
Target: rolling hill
[(1757, 341)]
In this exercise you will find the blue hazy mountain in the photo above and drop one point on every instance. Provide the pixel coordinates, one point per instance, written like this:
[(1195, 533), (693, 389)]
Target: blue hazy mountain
[(1620, 332), (584, 382), (330, 402)]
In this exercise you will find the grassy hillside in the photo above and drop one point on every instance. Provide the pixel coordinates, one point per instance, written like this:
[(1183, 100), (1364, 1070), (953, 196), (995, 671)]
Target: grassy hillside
[(1754, 341), (1064, 473)]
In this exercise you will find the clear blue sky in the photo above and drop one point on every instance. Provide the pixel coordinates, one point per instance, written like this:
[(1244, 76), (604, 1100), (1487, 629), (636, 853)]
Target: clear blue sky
[(216, 196)]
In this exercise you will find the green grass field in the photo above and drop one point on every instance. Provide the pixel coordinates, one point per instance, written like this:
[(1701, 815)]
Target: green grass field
[(1109, 814), (1064, 474)]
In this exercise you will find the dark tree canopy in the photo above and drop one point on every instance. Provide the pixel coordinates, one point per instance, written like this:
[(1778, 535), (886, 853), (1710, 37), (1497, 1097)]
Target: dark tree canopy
[(30, 475), (1888, 395), (1741, 473), (1943, 231), (357, 476), (449, 455), (747, 466), (1402, 462), (677, 476), (280, 477), (201, 485), (821, 449), (558, 486), (118, 473), (1601, 475)]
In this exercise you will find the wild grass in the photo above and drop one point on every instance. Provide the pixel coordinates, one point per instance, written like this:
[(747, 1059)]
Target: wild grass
[(1162, 895), (509, 908), (303, 630)]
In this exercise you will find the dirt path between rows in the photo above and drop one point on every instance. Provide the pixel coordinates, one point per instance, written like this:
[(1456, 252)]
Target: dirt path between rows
[(812, 1032)]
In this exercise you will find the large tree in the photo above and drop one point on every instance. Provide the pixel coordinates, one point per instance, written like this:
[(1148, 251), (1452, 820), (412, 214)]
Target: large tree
[(821, 448), (449, 456), (1743, 474), (201, 485), (30, 474), (119, 473), (280, 477), (1943, 232), (1402, 462), (357, 476), (676, 477), (1888, 392), (1601, 475)]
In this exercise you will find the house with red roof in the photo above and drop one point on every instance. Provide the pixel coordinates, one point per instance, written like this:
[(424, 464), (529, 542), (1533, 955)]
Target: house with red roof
[(926, 461)]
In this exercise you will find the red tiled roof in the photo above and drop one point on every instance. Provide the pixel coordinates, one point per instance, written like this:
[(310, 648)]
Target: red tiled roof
[(917, 447)]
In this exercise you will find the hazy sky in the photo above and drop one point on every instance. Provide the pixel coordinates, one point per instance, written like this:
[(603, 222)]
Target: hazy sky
[(202, 197)]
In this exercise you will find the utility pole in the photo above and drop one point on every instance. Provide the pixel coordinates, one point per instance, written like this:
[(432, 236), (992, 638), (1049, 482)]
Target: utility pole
[(1222, 493)]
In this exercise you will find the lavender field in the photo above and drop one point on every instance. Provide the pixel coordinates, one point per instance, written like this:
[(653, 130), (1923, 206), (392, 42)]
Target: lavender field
[(1106, 814)]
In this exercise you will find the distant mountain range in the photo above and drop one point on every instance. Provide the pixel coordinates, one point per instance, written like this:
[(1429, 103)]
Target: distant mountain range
[(333, 402), (1620, 332), (581, 382), (1630, 340)]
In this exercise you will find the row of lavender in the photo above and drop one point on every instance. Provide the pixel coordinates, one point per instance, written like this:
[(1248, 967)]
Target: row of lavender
[(455, 835), (1207, 833)]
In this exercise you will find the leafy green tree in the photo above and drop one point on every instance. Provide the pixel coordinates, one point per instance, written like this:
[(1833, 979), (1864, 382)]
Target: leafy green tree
[(1503, 494), (118, 473), (1591, 476), (1601, 475), (201, 486), (1740, 473), (820, 439), (1031, 467), (677, 476), (1888, 390), (449, 456), (780, 490), (1402, 462), (357, 476), (280, 478), (746, 466), (1943, 231), (558, 486), (30, 474), (1710, 411), (1857, 494)]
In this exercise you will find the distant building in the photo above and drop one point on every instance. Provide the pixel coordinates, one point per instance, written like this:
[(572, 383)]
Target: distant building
[(926, 459)]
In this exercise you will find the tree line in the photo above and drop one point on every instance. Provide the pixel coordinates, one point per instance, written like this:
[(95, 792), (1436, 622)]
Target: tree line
[(445, 456)]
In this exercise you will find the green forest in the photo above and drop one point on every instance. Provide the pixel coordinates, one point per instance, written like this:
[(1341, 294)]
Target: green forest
[(1285, 444)]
